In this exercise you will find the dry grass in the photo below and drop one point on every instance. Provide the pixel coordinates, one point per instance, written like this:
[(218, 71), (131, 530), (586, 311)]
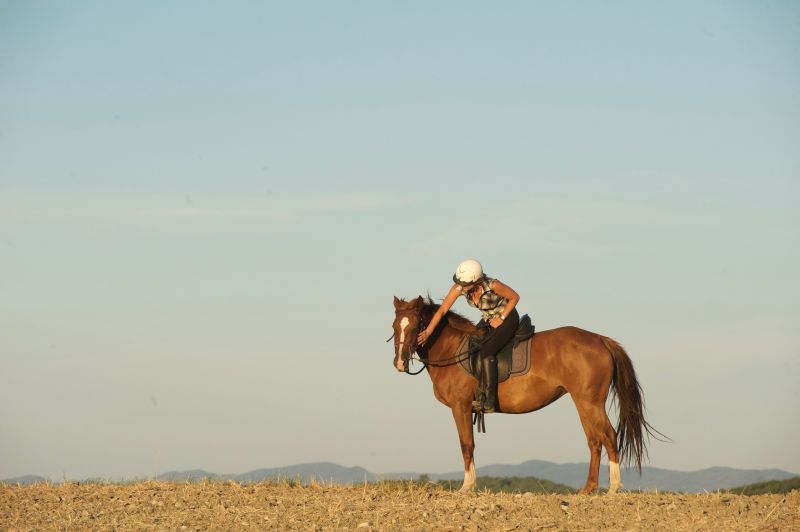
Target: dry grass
[(229, 506)]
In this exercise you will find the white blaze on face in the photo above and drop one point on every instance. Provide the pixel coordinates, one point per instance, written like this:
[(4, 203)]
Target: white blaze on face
[(403, 325)]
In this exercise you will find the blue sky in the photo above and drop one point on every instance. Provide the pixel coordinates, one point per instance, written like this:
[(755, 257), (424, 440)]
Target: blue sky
[(205, 212)]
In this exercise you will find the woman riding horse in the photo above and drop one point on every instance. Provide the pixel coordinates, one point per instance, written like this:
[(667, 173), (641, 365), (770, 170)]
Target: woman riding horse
[(497, 303), (567, 360)]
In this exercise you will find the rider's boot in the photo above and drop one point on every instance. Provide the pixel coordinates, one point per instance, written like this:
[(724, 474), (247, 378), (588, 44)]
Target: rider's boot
[(490, 384)]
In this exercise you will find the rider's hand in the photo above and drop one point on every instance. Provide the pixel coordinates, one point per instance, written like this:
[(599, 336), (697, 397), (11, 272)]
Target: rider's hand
[(422, 337), (495, 322)]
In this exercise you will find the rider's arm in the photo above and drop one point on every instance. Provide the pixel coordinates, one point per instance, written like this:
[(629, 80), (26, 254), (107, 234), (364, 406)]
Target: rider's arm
[(449, 299), (508, 293)]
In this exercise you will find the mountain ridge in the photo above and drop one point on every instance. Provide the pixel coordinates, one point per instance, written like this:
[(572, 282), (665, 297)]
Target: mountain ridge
[(572, 474)]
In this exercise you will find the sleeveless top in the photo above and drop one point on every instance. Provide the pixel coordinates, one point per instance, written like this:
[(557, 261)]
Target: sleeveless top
[(491, 304)]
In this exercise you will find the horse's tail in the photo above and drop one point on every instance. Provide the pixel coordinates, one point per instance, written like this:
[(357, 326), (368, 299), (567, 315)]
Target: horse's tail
[(632, 426)]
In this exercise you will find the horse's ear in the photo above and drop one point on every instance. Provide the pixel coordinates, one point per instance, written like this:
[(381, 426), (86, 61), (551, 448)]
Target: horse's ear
[(396, 302), (417, 303)]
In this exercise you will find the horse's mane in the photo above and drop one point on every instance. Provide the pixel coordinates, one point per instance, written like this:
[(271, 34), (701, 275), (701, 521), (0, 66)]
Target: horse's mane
[(454, 319)]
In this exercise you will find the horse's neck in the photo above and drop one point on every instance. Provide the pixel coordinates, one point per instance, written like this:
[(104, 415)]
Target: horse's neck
[(447, 341), (446, 345)]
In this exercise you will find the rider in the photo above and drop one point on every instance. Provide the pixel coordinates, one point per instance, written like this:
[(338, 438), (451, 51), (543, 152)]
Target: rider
[(496, 302)]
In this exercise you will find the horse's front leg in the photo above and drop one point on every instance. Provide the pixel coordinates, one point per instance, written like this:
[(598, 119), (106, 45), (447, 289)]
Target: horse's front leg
[(462, 413)]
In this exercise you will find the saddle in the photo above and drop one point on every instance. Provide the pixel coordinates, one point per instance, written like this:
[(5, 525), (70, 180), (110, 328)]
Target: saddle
[(513, 360)]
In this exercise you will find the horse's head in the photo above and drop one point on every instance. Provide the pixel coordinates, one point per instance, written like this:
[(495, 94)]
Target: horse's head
[(407, 325)]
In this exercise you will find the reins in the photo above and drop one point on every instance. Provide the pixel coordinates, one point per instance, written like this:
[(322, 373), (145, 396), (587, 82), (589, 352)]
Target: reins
[(449, 361), (423, 368)]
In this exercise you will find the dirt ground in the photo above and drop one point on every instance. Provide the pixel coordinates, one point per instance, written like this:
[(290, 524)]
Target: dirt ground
[(283, 506)]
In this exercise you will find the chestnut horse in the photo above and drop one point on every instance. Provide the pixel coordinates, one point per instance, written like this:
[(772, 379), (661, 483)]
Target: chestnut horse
[(565, 360)]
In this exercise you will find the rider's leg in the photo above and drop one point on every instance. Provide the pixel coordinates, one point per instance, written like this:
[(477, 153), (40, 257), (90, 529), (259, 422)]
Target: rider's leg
[(495, 340), (489, 383)]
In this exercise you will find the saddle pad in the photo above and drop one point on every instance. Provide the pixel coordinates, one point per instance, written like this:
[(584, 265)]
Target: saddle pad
[(511, 361)]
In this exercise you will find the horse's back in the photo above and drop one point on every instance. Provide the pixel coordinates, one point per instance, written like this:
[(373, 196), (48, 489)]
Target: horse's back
[(570, 334), (568, 352)]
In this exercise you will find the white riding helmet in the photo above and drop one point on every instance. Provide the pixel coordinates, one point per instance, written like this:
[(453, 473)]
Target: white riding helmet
[(468, 272)]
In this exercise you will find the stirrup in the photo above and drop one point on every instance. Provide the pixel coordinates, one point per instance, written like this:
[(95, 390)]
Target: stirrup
[(480, 406), (478, 401)]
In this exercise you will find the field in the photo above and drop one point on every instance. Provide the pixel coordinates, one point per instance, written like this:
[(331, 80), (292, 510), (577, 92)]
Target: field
[(286, 506)]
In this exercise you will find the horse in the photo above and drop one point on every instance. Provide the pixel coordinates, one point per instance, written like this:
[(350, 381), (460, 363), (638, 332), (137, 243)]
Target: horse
[(565, 360)]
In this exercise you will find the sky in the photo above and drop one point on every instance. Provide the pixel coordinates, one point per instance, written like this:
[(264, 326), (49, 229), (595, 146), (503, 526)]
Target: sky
[(206, 209)]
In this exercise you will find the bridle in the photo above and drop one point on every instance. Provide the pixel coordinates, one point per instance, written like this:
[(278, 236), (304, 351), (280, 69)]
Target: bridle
[(414, 351), (449, 361)]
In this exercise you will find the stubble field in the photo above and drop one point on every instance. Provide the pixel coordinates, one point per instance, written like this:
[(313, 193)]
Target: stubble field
[(283, 506)]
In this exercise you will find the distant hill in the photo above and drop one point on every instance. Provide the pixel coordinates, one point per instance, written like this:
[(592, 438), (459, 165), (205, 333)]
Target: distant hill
[(652, 478), (192, 475), (572, 475), (512, 485), (305, 473), (771, 486), (319, 471), (25, 480)]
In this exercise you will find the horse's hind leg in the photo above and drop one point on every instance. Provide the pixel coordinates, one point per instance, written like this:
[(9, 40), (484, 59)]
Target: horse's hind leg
[(599, 433), (610, 443), (463, 417), (592, 422)]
